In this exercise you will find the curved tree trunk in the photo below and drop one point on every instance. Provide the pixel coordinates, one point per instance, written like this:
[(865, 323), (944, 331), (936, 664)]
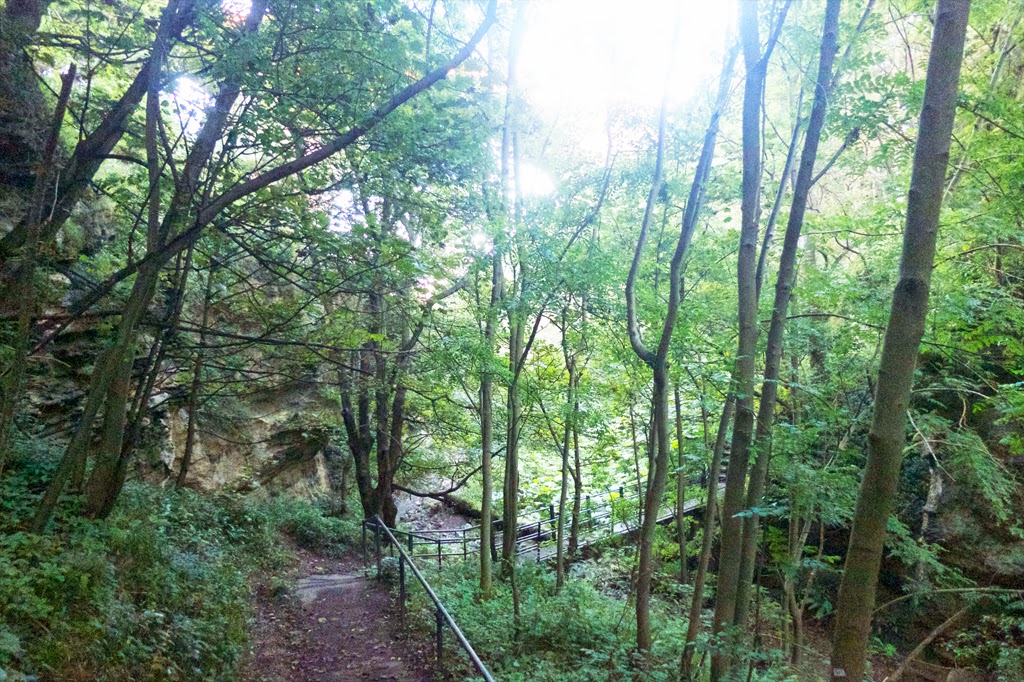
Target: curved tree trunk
[(657, 359)]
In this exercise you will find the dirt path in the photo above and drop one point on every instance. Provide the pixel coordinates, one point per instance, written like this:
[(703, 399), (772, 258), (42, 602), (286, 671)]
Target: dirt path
[(330, 624)]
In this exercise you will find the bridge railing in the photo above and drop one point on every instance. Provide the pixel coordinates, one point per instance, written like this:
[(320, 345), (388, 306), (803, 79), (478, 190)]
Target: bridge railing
[(611, 509), (381, 533)]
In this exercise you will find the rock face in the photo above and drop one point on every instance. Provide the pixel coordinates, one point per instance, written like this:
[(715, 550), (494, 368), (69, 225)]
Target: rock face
[(266, 441), (262, 445)]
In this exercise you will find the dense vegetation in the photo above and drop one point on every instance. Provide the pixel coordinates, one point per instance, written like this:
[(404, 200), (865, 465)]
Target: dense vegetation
[(255, 252), (161, 591)]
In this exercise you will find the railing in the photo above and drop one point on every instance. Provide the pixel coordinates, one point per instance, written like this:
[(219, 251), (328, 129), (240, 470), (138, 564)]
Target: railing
[(603, 514), (441, 615)]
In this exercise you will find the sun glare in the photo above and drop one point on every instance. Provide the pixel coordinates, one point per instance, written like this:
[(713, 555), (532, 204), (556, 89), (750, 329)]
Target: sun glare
[(582, 58)]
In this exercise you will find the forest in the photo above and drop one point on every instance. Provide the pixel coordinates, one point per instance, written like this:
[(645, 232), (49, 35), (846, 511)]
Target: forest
[(520, 340)]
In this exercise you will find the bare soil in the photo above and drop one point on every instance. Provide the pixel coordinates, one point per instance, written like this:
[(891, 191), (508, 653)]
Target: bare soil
[(328, 622)]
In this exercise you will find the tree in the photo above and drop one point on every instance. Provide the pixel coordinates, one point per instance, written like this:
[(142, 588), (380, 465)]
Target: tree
[(657, 359), (190, 210), (902, 343), (824, 85), (743, 375)]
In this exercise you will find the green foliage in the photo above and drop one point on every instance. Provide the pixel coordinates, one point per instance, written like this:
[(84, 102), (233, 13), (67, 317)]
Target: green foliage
[(312, 529), (582, 632), (996, 643), (160, 591)]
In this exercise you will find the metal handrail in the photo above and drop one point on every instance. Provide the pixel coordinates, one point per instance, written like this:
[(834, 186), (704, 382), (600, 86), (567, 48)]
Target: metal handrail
[(596, 511), (441, 614)]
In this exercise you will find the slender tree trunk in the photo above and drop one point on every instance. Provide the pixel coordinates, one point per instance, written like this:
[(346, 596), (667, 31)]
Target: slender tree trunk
[(196, 388), (577, 480), (487, 431), (24, 281), (931, 505), (743, 377), (109, 385), (773, 217), (700, 577), (783, 293), (902, 342), (563, 498), (356, 418), (110, 365), (510, 491), (657, 359), (100, 489), (681, 529), (656, 484), (104, 496), (510, 484), (658, 401), (346, 467)]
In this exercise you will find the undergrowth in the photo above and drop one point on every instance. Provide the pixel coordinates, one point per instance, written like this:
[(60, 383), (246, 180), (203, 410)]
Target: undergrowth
[(159, 591), (582, 633)]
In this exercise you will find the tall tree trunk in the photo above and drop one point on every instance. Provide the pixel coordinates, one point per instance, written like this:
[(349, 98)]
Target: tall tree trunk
[(110, 476), (510, 481), (359, 436), (902, 342), (510, 489), (113, 362), (487, 430), (563, 497), (743, 376), (681, 529), (196, 388), (577, 479), (646, 565), (656, 477), (783, 291), (24, 280), (700, 577), (100, 491), (109, 385), (657, 359)]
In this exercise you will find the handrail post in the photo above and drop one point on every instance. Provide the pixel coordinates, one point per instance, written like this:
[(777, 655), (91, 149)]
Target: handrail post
[(439, 554), (465, 553), (440, 633), (364, 541), (376, 543), (441, 614), (401, 582), (539, 525)]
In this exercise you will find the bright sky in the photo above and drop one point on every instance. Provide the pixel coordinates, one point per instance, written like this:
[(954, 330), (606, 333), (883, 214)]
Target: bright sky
[(581, 57)]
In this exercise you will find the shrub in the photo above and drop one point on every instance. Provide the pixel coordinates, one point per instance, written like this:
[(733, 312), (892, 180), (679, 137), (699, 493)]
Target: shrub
[(159, 591), (311, 528)]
